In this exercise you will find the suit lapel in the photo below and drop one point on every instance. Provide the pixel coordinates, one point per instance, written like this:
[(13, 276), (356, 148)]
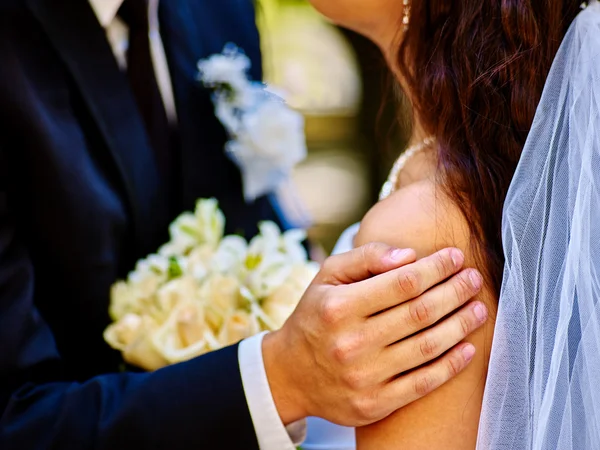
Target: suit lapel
[(182, 47), (189, 35), (81, 42)]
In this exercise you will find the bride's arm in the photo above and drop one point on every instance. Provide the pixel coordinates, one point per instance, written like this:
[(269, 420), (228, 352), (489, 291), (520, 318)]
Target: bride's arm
[(421, 217)]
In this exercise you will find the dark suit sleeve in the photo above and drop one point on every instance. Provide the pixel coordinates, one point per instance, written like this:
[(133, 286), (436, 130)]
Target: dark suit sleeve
[(195, 405)]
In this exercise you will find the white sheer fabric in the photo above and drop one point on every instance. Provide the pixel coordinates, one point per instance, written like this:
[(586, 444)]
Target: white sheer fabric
[(543, 386)]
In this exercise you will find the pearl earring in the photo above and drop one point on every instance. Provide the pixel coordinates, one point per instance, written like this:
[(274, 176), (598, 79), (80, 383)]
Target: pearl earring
[(406, 15)]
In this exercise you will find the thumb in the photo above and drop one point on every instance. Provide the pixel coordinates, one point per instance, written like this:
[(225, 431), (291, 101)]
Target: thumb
[(362, 263)]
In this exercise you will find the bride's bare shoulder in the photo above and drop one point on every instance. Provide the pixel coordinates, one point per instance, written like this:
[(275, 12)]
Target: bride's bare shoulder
[(419, 216), (422, 217)]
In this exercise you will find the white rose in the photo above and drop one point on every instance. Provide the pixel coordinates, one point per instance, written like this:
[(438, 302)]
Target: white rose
[(229, 68), (221, 295), (175, 292), (124, 299), (134, 295), (237, 326), (280, 305), (199, 261), (274, 132), (123, 332), (201, 254), (268, 144), (181, 337), (141, 351), (190, 324)]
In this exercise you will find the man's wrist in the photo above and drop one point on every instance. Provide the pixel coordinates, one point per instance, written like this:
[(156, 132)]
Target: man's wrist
[(270, 430), (281, 377)]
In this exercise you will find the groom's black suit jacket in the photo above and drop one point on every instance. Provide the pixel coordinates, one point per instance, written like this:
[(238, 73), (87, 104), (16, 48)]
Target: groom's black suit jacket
[(81, 200)]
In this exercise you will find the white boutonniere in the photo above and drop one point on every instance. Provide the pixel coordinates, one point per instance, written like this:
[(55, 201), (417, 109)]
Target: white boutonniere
[(266, 136)]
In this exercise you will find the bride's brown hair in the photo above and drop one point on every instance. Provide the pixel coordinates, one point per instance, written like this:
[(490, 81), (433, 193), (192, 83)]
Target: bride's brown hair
[(475, 70)]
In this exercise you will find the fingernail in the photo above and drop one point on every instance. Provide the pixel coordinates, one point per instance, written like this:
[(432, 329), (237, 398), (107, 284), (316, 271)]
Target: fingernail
[(468, 352), (457, 258), (476, 279), (398, 255), (480, 312)]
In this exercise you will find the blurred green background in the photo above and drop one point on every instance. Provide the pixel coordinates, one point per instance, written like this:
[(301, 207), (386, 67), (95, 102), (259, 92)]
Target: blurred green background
[(340, 82)]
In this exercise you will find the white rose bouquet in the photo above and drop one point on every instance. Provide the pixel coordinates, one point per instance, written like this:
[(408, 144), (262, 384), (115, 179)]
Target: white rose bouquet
[(203, 291)]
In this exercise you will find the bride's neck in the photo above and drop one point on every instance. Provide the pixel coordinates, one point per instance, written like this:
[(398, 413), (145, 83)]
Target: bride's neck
[(418, 134), (389, 49)]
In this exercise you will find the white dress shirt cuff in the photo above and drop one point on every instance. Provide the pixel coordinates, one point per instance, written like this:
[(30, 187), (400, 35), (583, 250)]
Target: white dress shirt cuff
[(270, 431)]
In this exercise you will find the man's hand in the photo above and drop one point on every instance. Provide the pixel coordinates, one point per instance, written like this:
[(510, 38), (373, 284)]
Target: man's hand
[(348, 352)]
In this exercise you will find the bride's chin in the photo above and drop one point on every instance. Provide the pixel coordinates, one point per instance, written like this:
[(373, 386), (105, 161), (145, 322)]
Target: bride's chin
[(377, 20)]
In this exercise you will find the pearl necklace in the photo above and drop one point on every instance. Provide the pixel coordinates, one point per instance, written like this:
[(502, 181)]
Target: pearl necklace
[(390, 185)]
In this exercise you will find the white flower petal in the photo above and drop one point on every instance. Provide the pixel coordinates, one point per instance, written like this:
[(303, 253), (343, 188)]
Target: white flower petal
[(270, 273), (237, 326), (210, 221), (122, 333), (270, 324), (276, 132), (225, 112), (231, 255), (181, 336), (229, 67), (269, 230), (292, 246)]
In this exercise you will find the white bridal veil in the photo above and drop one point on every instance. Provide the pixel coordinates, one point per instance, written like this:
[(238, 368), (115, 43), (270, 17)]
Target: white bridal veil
[(543, 386)]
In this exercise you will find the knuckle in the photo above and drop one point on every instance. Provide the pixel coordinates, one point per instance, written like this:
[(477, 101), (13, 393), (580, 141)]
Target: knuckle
[(354, 379), (443, 264), (462, 285), (339, 354), (428, 347), (332, 310), (422, 312), (454, 366), (464, 324), (409, 282), (329, 265), (365, 408), (369, 249), (424, 384), (365, 251), (344, 349)]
